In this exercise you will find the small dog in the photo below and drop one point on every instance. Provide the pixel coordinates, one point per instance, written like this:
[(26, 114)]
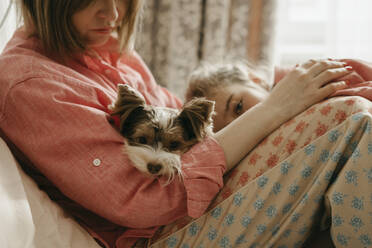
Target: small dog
[(157, 136)]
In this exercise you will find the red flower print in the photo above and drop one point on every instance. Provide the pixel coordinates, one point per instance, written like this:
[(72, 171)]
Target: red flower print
[(290, 122), (254, 157), (244, 177), (272, 160), (350, 102), (259, 173), (301, 126), (307, 142), (310, 111), (321, 129), (226, 193), (340, 116), (277, 140), (291, 145), (325, 110)]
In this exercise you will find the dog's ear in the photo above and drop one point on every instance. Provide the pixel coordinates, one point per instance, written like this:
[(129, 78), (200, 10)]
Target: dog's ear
[(196, 118), (128, 99)]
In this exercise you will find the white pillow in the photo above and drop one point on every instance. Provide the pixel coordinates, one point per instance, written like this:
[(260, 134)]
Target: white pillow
[(28, 217)]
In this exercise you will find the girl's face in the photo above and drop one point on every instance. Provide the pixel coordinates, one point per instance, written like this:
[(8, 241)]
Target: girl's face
[(234, 100), (97, 22)]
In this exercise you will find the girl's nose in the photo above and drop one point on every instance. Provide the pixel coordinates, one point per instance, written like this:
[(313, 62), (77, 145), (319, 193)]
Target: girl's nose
[(109, 11)]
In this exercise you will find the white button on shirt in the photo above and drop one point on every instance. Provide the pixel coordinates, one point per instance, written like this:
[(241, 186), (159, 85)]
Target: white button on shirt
[(97, 162)]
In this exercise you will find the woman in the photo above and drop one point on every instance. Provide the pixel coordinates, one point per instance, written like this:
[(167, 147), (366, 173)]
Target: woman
[(58, 75)]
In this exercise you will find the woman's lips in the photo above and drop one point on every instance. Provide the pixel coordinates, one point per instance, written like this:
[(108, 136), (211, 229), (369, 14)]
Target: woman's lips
[(103, 30)]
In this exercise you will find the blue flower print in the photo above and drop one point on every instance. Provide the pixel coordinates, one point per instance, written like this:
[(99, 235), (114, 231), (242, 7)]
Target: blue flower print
[(275, 229), (172, 241), (324, 156), (287, 233), (271, 211), (342, 239), (258, 205), (229, 219), (286, 208), (240, 240), (193, 229), (309, 149), (261, 228), (215, 213), (212, 234), (284, 168), (337, 221), (246, 220), (333, 135), (262, 181), (357, 116), (238, 199), (225, 242), (356, 222), (277, 188), (303, 230), (338, 198), (185, 246), (369, 148), (348, 137), (357, 203), (328, 176), (336, 156), (293, 188), (351, 177), (295, 217), (367, 127), (365, 240), (369, 174), (306, 172), (356, 154)]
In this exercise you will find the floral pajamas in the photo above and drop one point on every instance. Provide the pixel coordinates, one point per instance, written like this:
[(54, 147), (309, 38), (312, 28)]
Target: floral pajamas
[(316, 169)]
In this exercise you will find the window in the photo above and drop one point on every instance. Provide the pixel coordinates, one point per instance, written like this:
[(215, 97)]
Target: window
[(320, 29)]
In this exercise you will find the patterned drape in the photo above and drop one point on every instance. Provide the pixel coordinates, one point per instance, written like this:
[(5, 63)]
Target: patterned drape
[(177, 34)]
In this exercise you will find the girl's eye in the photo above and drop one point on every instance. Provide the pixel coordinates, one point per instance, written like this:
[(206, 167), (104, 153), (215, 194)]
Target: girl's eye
[(174, 145), (142, 140), (239, 107)]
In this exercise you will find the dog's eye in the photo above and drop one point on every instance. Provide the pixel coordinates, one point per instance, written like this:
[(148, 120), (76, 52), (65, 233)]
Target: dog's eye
[(142, 140), (174, 145)]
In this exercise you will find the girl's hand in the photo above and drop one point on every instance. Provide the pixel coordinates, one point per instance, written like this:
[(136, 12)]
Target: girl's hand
[(307, 84)]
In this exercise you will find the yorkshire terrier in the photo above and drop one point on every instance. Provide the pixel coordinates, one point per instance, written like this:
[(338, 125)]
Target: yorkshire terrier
[(155, 137)]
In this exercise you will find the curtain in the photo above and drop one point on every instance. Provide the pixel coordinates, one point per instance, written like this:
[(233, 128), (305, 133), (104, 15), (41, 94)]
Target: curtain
[(177, 35), (7, 21)]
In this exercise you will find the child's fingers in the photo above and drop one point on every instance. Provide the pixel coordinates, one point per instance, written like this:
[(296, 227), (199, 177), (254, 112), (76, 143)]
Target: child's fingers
[(324, 65), (332, 74), (331, 88)]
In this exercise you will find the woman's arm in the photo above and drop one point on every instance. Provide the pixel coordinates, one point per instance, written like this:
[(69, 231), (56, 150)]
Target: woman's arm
[(305, 85)]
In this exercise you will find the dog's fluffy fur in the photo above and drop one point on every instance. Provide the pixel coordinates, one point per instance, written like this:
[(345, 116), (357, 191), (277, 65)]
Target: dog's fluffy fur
[(155, 137)]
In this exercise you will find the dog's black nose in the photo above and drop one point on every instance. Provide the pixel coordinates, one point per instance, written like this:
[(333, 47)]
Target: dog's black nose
[(154, 168)]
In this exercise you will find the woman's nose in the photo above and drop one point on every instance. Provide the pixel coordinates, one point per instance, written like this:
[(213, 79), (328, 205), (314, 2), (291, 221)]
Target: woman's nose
[(109, 11)]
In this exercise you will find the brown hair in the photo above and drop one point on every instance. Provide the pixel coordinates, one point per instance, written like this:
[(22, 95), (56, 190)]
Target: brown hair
[(52, 20), (205, 80)]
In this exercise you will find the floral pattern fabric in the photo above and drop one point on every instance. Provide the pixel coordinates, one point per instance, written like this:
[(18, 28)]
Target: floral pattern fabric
[(313, 170)]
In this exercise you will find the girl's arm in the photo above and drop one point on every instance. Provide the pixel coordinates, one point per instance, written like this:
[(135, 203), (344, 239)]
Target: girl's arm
[(305, 85)]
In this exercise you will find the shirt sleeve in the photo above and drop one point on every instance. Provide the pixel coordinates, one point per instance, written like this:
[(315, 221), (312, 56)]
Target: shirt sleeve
[(62, 127)]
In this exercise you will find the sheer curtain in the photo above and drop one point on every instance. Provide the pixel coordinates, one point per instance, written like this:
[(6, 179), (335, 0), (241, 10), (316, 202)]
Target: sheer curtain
[(320, 29), (7, 21), (178, 34)]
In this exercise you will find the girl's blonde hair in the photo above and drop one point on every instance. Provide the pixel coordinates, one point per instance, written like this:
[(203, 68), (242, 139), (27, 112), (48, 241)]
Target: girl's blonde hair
[(208, 78), (52, 21)]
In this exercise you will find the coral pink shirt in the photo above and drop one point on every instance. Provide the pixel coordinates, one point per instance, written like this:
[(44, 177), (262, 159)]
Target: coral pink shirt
[(55, 117)]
